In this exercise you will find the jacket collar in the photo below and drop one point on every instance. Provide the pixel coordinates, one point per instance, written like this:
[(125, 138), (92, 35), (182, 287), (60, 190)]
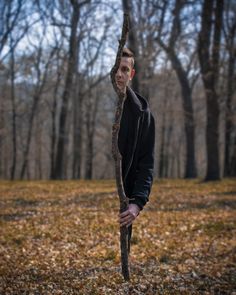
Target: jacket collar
[(135, 103)]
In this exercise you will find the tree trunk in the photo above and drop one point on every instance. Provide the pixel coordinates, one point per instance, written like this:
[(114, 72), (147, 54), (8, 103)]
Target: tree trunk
[(2, 127), (41, 80), (13, 167), (78, 142), (78, 128), (38, 174), (89, 137), (209, 64), (92, 109), (29, 136), (89, 158), (53, 121), (162, 152), (229, 96), (73, 48), (190, 166), (167, 154), (233, 161), (53, 135)]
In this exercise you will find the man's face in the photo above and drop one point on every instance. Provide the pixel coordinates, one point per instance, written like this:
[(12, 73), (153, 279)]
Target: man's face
[(124, 74)]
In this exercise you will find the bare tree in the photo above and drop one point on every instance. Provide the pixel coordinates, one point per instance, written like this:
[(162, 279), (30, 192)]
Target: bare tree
[(78, 125), (12, 16), (2, 126), (209, 52), (72, 62), (40, 83), (182, 74), (93, 99), (164, 137), (91, 112), (53, 108), (229, 30)]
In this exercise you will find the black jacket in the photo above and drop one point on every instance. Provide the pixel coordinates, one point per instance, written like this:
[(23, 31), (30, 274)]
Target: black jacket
[(136, 144)]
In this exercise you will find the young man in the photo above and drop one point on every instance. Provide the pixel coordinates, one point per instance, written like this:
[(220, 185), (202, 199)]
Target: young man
[(136, 143)]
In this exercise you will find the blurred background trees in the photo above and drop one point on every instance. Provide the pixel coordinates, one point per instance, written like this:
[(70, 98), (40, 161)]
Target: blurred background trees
[(57, 102)]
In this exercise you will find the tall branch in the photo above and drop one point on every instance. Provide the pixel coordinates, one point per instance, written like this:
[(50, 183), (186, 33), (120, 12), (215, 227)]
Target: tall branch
[(124, 201)]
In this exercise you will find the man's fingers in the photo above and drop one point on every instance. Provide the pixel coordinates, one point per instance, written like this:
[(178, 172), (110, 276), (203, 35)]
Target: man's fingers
[(125, 213), (125, 219)]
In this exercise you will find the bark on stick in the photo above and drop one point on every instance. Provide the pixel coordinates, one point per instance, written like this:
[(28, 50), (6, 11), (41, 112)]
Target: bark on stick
[(124, 201)]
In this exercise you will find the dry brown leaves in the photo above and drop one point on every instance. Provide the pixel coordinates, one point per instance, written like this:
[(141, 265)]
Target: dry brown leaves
[(63, 238)]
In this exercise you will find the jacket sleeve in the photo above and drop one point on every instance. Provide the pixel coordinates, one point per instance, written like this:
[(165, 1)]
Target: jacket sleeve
[(145, 165)]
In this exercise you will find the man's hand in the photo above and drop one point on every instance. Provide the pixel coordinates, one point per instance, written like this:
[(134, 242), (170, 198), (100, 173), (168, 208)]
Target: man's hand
[(127, 217)]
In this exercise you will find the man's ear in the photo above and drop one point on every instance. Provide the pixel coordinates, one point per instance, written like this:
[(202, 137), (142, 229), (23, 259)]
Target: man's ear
[(132, 74)]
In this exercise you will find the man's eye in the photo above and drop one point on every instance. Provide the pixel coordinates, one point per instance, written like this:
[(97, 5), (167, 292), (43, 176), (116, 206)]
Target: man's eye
[(126, 70)]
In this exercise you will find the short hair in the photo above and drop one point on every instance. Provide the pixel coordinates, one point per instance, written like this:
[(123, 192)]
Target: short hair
[(128, 53)]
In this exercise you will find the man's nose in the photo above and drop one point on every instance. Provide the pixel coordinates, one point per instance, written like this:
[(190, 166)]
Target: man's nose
[(118, 74)]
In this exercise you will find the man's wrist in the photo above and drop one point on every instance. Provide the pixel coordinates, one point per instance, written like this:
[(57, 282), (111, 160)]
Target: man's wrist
[(134, 209), (139, 201)]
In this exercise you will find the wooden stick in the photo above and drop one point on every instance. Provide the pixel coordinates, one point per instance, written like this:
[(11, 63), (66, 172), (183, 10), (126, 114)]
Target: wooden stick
[(124, 201)]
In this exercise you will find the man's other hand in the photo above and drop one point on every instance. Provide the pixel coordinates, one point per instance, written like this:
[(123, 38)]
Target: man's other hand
[(127, 217)]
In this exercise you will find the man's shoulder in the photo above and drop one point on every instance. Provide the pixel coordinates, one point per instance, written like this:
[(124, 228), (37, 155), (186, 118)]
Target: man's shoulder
[(145, 106), (143, 101), (138, 100)]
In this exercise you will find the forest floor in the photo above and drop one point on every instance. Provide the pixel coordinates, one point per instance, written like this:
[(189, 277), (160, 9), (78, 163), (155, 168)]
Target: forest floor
[(62, 237)]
